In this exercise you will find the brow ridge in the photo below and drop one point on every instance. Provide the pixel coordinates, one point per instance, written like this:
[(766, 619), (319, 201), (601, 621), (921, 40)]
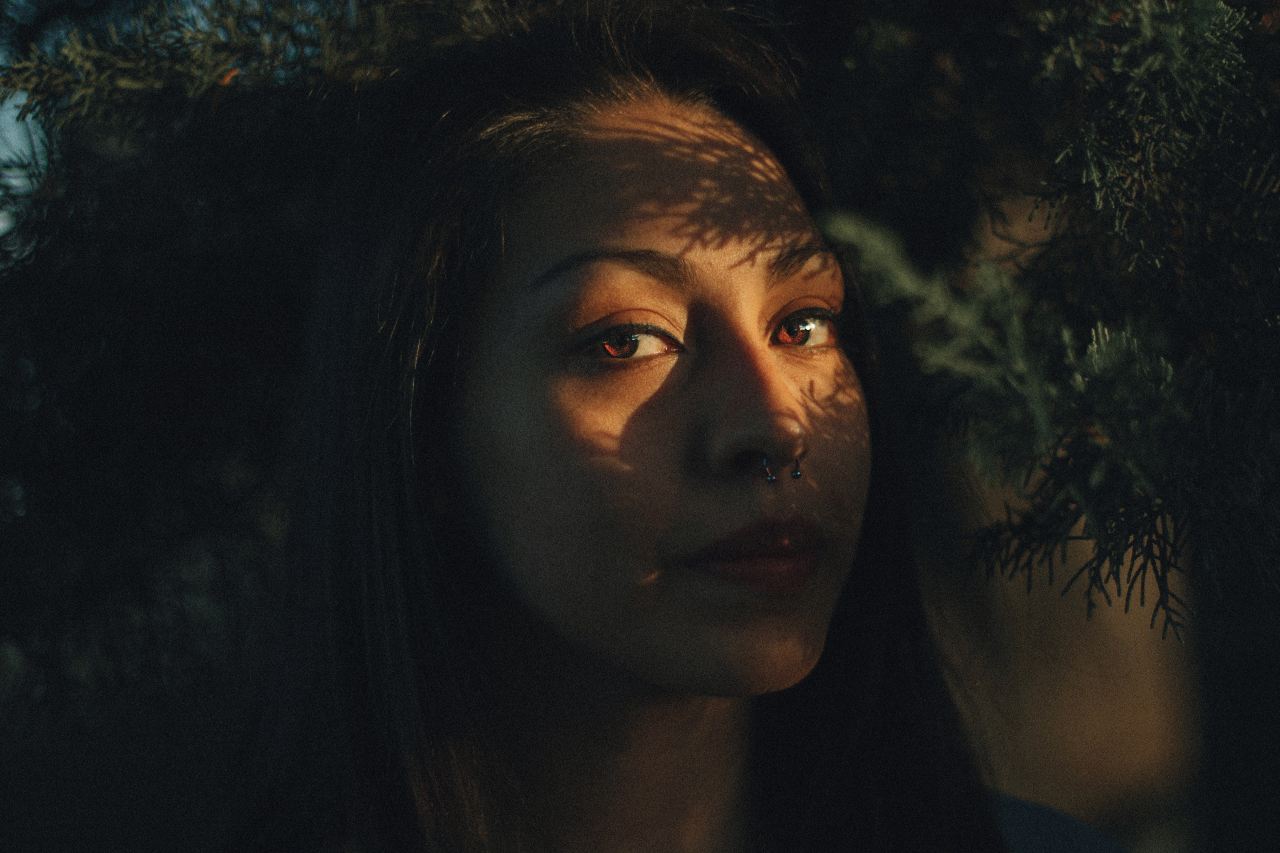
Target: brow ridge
[(670, 268)]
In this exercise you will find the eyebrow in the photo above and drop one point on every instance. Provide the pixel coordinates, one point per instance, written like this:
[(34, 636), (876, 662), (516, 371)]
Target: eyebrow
[(794, 256), (674, 269)]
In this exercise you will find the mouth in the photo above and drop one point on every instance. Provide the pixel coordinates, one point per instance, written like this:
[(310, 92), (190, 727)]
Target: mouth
[(776, 558)]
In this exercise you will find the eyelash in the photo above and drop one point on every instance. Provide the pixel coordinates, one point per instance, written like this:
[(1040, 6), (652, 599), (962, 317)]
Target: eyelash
[(821, 315), (628, 336), (625, 335)]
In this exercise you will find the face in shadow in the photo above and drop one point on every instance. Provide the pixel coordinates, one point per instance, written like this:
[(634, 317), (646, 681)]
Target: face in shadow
[(662, 322)]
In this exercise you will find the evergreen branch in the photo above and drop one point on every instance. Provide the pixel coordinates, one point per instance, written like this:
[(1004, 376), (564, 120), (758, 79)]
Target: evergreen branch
[(1093, 423), (175, 51), (1157, 83)]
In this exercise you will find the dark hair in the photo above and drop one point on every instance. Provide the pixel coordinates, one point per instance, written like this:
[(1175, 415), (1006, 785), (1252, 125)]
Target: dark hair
[(865, 754)]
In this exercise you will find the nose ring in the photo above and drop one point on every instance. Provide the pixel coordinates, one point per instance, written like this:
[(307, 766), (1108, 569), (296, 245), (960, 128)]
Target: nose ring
[(770, 477)]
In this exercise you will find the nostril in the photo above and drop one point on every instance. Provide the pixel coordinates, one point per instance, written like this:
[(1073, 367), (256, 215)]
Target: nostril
[(756, 463), (767, 467), (755, 441)]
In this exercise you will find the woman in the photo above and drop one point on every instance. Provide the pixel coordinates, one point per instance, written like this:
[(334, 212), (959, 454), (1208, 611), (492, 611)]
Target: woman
[(603, 532)]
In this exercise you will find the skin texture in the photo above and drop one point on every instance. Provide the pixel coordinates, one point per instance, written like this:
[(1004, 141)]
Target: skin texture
[(599, 476)]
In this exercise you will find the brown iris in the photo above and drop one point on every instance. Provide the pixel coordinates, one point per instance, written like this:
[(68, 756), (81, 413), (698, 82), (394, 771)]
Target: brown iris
[(620, 344), (795, 330)]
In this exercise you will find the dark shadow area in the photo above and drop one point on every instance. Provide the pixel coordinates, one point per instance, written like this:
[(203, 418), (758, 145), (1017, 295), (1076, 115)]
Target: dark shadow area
[(154, 352)]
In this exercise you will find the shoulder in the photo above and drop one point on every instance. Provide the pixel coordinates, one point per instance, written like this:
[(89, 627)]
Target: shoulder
[(1032, 828)]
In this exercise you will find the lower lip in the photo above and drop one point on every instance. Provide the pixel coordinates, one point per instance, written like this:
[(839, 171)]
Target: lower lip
[(773, 575)]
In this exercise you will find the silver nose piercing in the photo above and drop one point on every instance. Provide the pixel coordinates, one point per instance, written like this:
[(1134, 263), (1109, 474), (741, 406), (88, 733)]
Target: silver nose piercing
[(770, 477)]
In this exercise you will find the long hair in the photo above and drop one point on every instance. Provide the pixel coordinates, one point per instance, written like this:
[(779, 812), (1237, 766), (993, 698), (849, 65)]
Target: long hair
[(396, 611)]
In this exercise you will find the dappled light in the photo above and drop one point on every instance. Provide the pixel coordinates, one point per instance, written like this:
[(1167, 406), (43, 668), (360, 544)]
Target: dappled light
[(714, 184)]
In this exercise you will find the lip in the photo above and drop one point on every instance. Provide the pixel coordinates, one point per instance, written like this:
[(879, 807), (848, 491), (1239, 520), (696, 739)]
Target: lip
[(771, 557)]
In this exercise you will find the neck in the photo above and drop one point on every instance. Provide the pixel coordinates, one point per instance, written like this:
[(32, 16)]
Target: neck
[(606, 764), (667, 776)]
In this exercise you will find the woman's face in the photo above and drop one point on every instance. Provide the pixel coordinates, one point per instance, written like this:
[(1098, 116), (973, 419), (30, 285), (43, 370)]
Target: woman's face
[(662, 321)]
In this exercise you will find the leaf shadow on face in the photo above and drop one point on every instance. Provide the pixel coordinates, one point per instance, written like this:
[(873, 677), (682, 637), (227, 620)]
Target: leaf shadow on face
[(712, 186)]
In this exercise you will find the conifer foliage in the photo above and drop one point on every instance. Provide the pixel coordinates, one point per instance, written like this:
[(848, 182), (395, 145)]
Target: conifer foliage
[(1121, 364), (1123, 372), (1100, 369)]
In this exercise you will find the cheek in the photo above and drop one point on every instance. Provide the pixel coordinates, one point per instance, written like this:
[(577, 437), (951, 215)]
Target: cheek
[(834, 405), (591, 413), (559, 500), (585, 425), (619, 495), (840, 442)]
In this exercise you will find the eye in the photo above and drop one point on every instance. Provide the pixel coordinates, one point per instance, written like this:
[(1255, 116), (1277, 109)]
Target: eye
[(812, 327), (630, 341)]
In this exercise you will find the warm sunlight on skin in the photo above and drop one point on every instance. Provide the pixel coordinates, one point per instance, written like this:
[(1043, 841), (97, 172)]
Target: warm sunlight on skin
[(663, 316)]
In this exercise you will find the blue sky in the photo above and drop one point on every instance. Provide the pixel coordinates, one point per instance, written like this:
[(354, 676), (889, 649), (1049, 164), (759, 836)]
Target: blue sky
[(16, 143)]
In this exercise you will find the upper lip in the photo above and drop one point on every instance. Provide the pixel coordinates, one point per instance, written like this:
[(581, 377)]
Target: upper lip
[(765, 538)]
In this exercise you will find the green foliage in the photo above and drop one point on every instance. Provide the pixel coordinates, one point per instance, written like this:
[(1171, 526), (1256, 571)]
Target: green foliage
[(1080, 440), (153, 290), (1153, 83), (174, 55), (1124, 375)]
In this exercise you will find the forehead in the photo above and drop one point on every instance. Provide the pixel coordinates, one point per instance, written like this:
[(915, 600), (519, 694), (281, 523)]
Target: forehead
[(662, 175)]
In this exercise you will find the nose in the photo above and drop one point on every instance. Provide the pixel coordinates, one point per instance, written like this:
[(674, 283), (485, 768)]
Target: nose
[(753, 414)]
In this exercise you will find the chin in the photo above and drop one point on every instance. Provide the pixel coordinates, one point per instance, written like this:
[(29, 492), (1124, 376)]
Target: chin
[(773, 670), (745, 664)]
